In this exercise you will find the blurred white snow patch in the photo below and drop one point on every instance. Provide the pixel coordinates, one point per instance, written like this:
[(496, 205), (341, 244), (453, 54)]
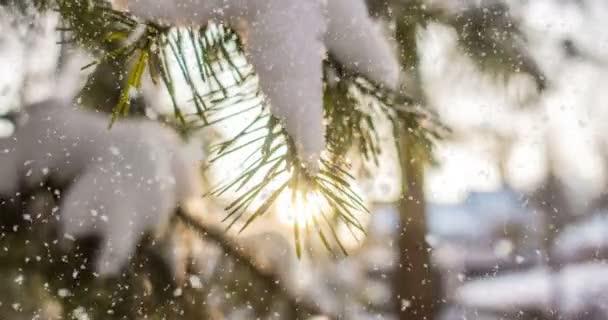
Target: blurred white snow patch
[(6, 128), (576, 131), (80, 313), (574, 106), (12, 62), (29, 58), (581, 22), (71, 78), (195, 282), (470, 98), (385, 221), (583, 287), (579, 289), (526, 165), (42, 56), (349, 26), (463, 167), (486, 115), (567, 123), (63, 292), (557, 18), (434, 43), (513, 292), (503, 248), (583, 240)]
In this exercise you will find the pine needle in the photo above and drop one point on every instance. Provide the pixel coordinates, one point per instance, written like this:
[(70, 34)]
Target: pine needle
[(271, 165)]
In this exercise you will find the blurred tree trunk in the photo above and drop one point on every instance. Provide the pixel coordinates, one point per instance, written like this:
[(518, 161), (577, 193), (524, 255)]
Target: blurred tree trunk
[(552, 200), (416, 288), (551, 197)]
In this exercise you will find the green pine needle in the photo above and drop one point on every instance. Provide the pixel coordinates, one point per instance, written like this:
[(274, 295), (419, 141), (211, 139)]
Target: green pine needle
[(271, 165)]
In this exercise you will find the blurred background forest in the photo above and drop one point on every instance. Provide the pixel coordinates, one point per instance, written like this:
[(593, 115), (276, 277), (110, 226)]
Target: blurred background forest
[(505, 218)]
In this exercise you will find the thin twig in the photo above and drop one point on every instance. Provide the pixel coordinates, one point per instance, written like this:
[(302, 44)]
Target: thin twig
[(233, 249)]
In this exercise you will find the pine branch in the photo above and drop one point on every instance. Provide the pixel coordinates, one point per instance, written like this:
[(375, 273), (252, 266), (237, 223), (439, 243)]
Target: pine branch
[(273, 168), (354, 103), (487, 32), (231, 248), (492, 37), (224, 88)]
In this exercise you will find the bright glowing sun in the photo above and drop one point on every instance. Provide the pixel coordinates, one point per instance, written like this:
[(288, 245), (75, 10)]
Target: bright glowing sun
[(299, 207)]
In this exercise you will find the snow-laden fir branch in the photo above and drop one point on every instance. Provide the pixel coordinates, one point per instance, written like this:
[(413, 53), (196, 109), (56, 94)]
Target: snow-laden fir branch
[(286, 42), (287, 140)]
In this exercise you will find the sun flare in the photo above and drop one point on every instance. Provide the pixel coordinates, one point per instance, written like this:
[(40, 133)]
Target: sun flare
[(301, 207)]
